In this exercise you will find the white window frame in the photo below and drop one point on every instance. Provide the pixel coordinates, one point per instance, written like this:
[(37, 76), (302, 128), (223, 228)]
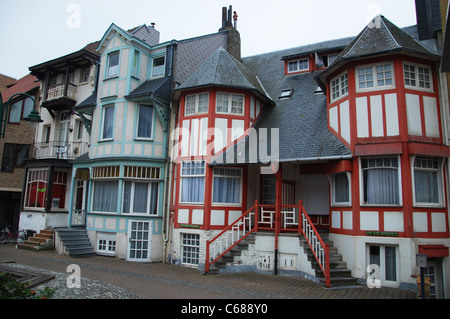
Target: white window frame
[(382, 275), (230, 99), (440, 183), (375, 73), (136, 64), (109, 242), (113, 71), (158, 71), (339, 86), (196, 102), (151, 185), (239, 177), (416, 85), (333, 190), (299, 65), (182, 176), (399, 180), (187, 243)]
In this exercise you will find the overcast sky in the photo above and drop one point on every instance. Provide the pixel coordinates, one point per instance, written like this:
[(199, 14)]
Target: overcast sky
[(35, 31)]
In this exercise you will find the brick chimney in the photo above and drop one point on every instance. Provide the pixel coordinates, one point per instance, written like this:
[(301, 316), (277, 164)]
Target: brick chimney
[(229, 24)]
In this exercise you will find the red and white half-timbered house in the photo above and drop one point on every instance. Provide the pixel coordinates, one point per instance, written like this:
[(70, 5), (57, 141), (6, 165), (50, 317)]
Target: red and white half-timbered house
[(323, 161)]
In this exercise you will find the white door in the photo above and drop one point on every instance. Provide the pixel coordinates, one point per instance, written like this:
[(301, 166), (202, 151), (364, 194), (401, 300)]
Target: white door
[(139, 240)]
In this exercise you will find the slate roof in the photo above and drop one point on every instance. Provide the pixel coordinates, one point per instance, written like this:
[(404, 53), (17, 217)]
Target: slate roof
[(381, 37), (160, 88), (223, 70), (301, 119)]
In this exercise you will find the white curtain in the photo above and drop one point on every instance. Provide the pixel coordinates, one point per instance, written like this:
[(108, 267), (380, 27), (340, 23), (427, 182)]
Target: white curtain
[(15, 112), (140, 197), (382, 186), (426, 187), (226, 190), (193, 190), (105, 196), (145, 121)]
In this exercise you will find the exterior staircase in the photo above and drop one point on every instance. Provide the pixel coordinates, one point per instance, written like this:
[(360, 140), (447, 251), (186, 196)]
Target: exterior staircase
[(229, 256), (74, 242), (39, 241), (339, 274)]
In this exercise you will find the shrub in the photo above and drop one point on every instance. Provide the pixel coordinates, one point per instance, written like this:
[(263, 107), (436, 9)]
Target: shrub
[(10, 288)]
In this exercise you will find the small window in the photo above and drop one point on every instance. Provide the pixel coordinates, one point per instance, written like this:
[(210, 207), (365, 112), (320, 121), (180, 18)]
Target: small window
[(84, 75), (230, 103), (190, 249), (159, 67), (145, 121), (417, 76), (298, 65), (427, 181), (375, 76), (108, 122), (341, 189), (136, 63), (196, 104), (113, 64), (339, 86)]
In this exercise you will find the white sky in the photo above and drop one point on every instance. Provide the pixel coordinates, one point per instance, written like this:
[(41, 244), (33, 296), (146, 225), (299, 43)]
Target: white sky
[(35, 31)]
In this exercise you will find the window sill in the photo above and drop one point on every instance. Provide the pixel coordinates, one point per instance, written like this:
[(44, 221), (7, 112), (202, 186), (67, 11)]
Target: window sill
[(106, 140)]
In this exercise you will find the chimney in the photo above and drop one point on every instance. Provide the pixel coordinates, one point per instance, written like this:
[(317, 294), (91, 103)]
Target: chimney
[(234, 38)]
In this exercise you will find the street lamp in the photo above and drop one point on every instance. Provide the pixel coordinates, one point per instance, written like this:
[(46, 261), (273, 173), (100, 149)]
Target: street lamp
[(33, 117)]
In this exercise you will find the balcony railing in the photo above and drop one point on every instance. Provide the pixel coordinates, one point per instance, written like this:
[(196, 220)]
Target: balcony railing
[(59, 150), (59, 91)]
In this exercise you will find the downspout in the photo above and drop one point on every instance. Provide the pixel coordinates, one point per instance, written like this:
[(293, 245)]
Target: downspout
[(279, 188)]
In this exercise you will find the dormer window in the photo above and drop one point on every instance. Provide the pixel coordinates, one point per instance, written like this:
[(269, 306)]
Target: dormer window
[(286, 94), (159, 67), (339, 86), (113, 64), (300, 65)]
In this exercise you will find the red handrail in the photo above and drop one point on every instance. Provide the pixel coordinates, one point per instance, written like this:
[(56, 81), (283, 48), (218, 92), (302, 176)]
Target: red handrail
[(325, 267)]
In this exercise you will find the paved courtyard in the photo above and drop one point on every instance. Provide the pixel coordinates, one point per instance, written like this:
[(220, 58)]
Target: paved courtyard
[(112, 278)]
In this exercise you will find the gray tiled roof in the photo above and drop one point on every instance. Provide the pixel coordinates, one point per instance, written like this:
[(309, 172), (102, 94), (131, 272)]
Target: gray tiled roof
[(160, 88), (301, 120), (221, 69)]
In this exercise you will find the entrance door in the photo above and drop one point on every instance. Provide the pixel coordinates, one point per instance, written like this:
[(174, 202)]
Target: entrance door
[(139, 240), (434, 271), (61, 146)]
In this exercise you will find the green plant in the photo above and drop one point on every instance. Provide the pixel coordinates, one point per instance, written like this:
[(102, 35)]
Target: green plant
[(10, 288)]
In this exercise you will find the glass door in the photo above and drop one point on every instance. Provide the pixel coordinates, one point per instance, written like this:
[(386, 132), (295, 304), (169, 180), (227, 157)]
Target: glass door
[(139, 240)]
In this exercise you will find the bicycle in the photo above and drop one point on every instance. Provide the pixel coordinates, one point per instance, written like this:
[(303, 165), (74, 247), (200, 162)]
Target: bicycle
[(8, 236)]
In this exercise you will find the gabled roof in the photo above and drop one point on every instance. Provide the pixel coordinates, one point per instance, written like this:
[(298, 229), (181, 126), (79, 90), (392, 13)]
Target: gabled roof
[(223, 70)]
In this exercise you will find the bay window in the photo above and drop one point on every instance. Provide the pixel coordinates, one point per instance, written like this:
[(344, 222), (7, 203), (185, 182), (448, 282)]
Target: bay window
[(196, 104), (193, 182), (105, 196), (375, 76), (339, 86), (227, 186), (381, 181), (417, 76), (37, 185)]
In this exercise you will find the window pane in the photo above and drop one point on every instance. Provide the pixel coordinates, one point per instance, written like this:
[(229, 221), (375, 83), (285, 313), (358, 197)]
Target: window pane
[(113, 67), (105, 196), (426, 186), (203, 102), (341, 188), (15, 112), (145, 121), (222, 103), (108, 122), (227, 186), (381, 184), (190, 105), (193, 189), (140, 197), (391, 263)]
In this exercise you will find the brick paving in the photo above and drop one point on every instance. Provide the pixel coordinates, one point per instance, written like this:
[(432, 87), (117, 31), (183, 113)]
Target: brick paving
[(163, 281)]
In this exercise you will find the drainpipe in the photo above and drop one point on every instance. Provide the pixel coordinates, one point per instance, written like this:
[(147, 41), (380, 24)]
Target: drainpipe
[(279, 187)]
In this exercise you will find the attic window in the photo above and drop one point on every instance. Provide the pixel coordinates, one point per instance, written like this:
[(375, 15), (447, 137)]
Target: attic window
[(318, 90), (286, 94)]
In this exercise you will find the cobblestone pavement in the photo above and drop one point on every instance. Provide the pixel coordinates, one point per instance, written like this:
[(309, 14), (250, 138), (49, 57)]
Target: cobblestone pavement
[(113, 278)]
